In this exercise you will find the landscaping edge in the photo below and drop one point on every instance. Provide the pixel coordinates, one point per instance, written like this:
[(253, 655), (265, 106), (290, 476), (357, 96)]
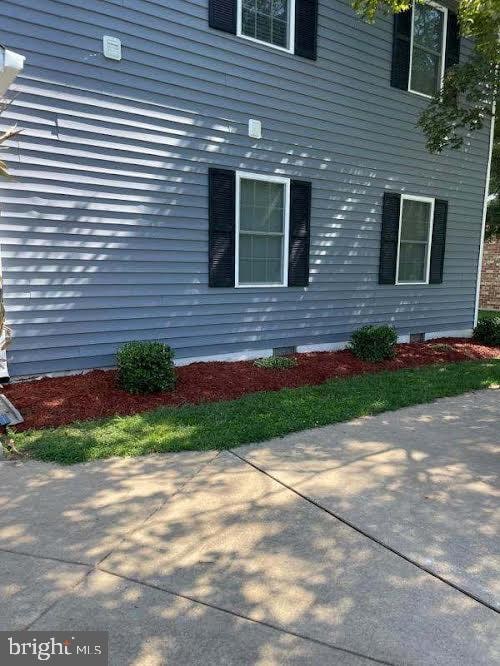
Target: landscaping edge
[(255, 417)]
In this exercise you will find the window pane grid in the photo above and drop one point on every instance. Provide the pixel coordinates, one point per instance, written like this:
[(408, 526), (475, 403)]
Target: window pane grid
[(260, 259), (414, 241), (261, 232), (265, 20), (427, 57)]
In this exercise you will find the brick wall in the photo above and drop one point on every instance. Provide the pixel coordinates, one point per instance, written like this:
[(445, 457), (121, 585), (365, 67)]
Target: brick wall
[(490, 277)]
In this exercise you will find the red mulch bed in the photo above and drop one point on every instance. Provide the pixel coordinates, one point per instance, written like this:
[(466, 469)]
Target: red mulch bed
[(55, 401)]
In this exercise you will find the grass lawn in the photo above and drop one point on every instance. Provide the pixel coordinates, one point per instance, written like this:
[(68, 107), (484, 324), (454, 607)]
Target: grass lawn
[(488, 314), (255, 417)]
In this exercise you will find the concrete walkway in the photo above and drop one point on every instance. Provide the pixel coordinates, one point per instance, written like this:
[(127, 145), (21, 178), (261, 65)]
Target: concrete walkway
[(374, 541)]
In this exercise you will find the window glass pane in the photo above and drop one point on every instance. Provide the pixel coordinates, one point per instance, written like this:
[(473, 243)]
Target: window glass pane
[(425, 72), (415, 220), (248, 22), (266, 20), (412, 262), (260, 259), (261, 206), (428, 27), (280, 9), (263, 27), (427, 49)]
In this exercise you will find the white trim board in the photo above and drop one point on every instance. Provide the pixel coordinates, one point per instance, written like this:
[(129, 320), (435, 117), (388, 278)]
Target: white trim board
[(235, 356), (464, 333), (251, 355), (485, 211)]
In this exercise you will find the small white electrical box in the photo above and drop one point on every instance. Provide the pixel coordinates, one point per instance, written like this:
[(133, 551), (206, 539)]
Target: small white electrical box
[(112, 47), (254, 129)]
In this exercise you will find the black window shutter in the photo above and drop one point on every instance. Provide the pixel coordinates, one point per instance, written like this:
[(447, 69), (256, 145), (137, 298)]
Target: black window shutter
[(401, 46), (221, 227), (222, 15), (438, 241), (452, 41), (306, 28), (300, 232), (389, 238)]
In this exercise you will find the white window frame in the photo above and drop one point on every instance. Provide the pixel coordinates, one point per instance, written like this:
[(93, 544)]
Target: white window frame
[(429, 200), (290, 47), (286, 228), (444, 10)]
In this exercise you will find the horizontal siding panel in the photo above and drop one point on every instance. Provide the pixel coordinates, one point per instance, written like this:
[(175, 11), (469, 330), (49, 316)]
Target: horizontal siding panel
[(208, 334)]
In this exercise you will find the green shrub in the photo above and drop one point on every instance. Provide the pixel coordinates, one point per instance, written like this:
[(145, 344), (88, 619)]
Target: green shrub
[(374, 343), (145, 367), (276, 362), (488, 331)]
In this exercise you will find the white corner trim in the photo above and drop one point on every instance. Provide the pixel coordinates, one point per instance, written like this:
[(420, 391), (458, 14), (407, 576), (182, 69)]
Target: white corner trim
[(464, 333), (485, 211), (236, 356), (4, 368)]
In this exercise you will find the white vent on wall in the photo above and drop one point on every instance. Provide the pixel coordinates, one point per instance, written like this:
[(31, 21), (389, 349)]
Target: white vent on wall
[(254, 129), (112, 47)]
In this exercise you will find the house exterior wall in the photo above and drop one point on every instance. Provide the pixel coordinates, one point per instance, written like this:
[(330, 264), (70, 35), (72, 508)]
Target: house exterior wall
[(490, 276), (104, 231)]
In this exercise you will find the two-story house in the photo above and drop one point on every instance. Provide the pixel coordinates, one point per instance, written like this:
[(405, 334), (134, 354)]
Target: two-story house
[(231, 177)]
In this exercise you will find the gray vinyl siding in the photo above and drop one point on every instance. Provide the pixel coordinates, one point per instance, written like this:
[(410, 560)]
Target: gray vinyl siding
[(104, 231)]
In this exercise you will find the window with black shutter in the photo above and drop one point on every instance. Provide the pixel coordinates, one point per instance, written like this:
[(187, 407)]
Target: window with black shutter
[(259, 230), (289, 25), (426, 43), (413, 239)]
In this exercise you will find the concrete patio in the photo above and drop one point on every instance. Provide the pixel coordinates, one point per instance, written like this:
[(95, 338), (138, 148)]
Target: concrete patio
[(374, 541)]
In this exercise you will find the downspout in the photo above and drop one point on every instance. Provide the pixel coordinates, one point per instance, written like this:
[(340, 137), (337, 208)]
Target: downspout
[(485, 212)]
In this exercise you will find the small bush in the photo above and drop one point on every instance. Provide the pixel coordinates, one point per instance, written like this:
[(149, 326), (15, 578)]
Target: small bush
[(276, 362), (488, 331), (374, 343), (145, 367)]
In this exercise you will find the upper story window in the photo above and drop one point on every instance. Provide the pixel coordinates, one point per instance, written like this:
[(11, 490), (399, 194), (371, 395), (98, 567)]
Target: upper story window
[(287, 25), (426, 43), (268, 21), (427, 48)]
